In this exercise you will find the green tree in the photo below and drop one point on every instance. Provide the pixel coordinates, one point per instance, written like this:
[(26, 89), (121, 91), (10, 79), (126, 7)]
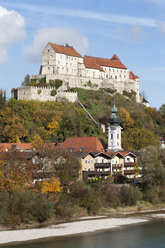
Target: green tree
[(137, 138)]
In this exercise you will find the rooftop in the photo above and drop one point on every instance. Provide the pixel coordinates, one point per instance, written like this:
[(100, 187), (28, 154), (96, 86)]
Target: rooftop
[(82, 144), (65, 49)]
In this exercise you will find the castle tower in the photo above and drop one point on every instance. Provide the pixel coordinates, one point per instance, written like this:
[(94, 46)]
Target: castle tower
[(114, 131)]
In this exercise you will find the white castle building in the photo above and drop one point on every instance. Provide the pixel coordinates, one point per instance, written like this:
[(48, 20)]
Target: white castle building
[(65, 63)]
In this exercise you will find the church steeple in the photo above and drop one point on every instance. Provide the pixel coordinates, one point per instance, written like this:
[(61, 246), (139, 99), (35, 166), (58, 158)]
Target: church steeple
[(114, 130), (114, 118)]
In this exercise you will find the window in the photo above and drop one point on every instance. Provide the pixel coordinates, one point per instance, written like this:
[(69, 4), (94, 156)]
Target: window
[(111, 136), (115, 77), (58, 62), (118, 136), (86, 161), (102, 160), (48, 68), (48, 50)]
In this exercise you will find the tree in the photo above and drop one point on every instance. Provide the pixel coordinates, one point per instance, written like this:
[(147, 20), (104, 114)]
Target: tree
[(55, 162), (151, 159), (51, 186), (127, 121), (15, 171), (26, 81), (137, 138)]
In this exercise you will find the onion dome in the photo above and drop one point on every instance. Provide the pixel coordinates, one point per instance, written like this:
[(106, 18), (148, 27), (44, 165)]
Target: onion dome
[(114, 119)]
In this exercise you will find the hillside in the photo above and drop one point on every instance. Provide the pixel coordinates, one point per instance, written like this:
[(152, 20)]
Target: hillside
[(21, 120)]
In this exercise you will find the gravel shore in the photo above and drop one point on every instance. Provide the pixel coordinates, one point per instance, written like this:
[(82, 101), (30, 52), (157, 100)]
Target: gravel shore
[(65, 229)]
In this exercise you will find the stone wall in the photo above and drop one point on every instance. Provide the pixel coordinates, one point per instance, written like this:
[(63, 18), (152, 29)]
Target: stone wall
[(44, 94)]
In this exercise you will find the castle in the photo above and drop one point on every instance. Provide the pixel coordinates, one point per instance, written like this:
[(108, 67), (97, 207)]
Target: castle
[(64, 63)]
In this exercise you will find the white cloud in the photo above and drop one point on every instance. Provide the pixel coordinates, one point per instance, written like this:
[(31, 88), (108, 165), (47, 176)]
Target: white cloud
[(55, 35), (133, 34), (161, 27), (12, 29), (78, 13)]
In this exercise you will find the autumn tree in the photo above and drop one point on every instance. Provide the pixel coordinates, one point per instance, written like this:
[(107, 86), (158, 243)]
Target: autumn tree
[(125, 117), (137, 138), (16, 171), (53, 162)]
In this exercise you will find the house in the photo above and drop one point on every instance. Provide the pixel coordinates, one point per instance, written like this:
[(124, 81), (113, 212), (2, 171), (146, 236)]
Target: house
[(22, 147), (82, 144)]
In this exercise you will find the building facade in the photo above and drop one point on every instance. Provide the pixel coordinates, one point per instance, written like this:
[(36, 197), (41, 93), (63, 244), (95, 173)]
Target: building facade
[(65, 63)]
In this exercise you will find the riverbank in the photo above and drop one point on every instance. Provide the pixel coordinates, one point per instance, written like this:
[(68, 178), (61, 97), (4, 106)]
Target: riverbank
[(71, 228)]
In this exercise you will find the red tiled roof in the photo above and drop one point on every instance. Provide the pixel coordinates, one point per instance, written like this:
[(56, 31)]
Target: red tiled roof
[(115, 57), (10, 146), (91, 63), (132, 75), (65, 50), (90, 144), (116, 63)]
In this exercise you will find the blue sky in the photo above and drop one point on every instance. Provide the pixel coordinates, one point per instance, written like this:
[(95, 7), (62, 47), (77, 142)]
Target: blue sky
[(133, 29)]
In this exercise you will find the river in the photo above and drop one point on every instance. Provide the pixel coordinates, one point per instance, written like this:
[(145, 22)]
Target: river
[(147, 235)]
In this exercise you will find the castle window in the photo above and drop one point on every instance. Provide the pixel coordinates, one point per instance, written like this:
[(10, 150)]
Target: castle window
[(115, 77), (48, 50), (117, 136), (111, 136)]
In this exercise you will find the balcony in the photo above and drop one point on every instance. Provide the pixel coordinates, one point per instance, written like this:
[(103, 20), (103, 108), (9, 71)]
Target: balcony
[(133, 164), (129, 172), (102, 165), (87, 174), (116, 166)]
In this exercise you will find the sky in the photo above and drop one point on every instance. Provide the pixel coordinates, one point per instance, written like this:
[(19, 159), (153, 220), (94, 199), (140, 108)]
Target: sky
[(133, 29)]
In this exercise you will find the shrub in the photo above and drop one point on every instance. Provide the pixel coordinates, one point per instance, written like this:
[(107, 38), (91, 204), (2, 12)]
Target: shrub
[(112, 194), (65, 207), (53, 93), (42, 81), (39, 92), (130, 195), (78, 191), (25, 207), (55, 83), (93, 201)]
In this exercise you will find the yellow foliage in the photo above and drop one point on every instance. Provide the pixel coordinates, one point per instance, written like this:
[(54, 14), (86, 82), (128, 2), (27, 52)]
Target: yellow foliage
[(51, 185), (37, 141), (53, 126), (125, 117)]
